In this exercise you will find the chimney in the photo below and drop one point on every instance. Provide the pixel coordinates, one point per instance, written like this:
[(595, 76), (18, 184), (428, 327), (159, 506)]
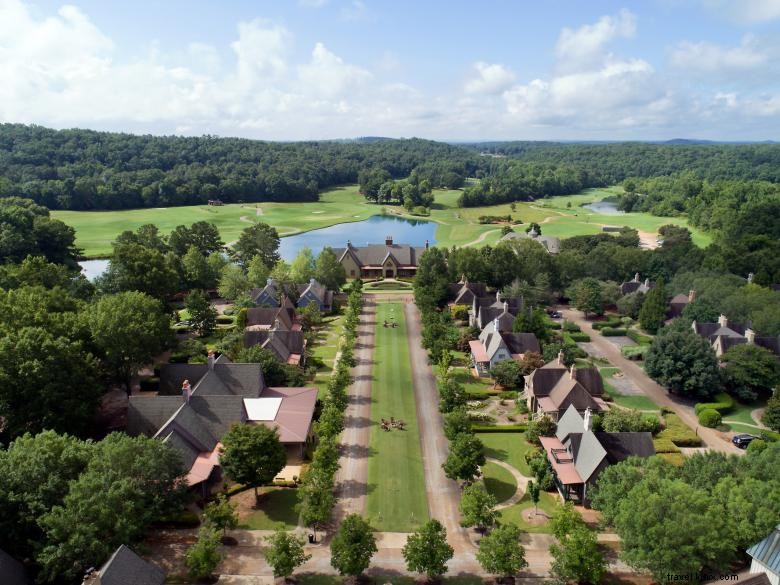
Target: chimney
[(560, 357), (506, 306), (211, 359), (427, 244), (691, 295), (349, 244), (587, 421), (750, 335), (571, 372), (498, 296), (388, 240), (636, 277), (647, 283), (312, 281), (750, 278), (186, 390), (91, 577), (495, 324), (723, 321), (269, 281)]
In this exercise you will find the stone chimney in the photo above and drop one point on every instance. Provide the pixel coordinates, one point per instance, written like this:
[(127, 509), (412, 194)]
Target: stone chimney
[(186, 390), (211, 359), (349, 243), (91, 577), (647, 283), (498, 296), (560, 357), (691, 295), (506, 306), (750, 335), (495, 324), (312, 281), (571, 372), (587, 420), (636, 277), (750, 278), (269, 281), (388, 240), (427, 244), (723, 321)]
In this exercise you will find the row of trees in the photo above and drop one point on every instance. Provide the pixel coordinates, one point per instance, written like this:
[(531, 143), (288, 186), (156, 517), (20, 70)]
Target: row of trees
[(316, 493), (701, 515), (67, 504), (82, 169)]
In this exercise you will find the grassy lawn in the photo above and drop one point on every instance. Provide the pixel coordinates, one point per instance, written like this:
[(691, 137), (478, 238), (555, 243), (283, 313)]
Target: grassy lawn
[(95, 230), (325, 348), (498, 481), (739, 419), (640, 402), (473, 385), (396, 483), (548, 503), (507, 447), (277, 508)]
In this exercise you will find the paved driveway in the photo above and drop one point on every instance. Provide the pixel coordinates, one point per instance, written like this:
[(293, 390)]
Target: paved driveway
[(712, 438)]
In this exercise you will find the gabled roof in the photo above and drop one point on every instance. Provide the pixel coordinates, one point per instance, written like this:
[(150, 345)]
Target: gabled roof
[(146, 414), (542, 380), (12, 572), (173, 375), (258, 317), (520, 343), (463, 293), (319, 291), (767, 552), (770, 343), (125, 567), (293, 419), (282, 343), (621, 446), (569, 392), (680, 299), (570, 423), (376, 254)]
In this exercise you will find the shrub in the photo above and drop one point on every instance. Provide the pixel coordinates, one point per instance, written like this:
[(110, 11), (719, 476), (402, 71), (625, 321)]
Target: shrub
[(639, 338), (634, 352), (579, 336), (613, 331), (570, 326), (677, 431), (723, 403), (611, 322), (224, 320), (709, 418), (476, 428)]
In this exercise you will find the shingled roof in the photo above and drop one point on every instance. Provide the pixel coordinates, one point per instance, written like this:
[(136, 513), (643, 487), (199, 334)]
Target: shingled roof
[(125, 567), (376, 254), (12, 572)]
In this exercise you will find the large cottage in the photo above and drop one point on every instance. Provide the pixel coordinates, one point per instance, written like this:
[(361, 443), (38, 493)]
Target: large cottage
[(724, 334), (496, 345), (388, 260), (553, 388), (198, 403), (578, 455)]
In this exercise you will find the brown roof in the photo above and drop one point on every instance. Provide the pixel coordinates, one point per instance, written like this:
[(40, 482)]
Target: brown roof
[(266, 317), (375, 254), (293, 420)]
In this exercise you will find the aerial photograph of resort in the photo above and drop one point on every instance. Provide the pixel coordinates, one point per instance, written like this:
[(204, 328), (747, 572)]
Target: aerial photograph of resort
[(389, 292)]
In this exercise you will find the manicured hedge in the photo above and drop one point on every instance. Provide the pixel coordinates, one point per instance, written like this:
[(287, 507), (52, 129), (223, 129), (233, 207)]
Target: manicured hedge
[(570, 326), (709, 418), (613, 331), (598, 325), (579, 336), (634, 352), (723, 404), (554, 325), (499, 428), (639, 338), (224, 320), (678, 432)]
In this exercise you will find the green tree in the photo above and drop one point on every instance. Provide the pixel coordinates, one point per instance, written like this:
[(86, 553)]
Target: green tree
[(274, 373), (507, 373), (426, 551), (198, 273), (252, 455), (477, 507), (648, 521), (542, 427), (683, 362), (257, 272), (452, 395), (303, 266), (41, 378), (261, 240), (221, 513), (565, 520), (129, 329), (619, 420), (129, 482), (631, 304), (202, 314), (134, 267), (500, 552), (315, 497), (653, 312), (577, 557), (285, 552), (310, 316), (456, 422), (586, 296), (328, 270), (532, 321), (353, 546), (203, 557), (35, 473), (465, 457), (750, 371), (233, 282), (751, 505), (534, 492), (771, 416)]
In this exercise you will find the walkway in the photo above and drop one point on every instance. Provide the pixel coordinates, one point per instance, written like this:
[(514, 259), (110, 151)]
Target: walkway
[(657, 393), (522, 484), (443, 493), (352, 476)]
